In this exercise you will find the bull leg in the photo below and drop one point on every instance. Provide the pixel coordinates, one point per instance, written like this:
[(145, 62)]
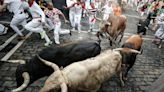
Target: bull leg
[(98, 36), (121, 79), (122, 34), (110, 43), (126, 73)]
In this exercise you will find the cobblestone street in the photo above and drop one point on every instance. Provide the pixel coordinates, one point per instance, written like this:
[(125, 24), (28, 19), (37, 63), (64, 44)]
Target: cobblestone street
[(147, 69)]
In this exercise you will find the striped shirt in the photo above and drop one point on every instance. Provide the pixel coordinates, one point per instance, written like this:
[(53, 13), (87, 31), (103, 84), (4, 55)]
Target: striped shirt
[(53, 15)]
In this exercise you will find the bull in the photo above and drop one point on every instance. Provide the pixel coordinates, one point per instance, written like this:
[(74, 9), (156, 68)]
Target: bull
[(86, 75), (142, 25), (133, 42), (34, 69), (114, 26)]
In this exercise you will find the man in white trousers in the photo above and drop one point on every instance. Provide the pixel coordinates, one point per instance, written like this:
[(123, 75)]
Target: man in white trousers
[(53, 14), (19, 17), (71, 12), (36, 24)]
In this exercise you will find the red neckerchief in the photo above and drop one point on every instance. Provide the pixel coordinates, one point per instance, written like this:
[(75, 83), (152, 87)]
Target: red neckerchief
[(30, 3)]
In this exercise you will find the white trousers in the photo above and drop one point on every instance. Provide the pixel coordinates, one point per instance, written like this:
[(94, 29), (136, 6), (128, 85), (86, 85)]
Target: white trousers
[(49, 24), (36, 26), (77, 21), (71, 17), (18, 19), (58, 31), (92, 21)]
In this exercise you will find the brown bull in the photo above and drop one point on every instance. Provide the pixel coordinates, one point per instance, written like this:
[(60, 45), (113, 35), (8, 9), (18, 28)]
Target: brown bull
[(114, 26)]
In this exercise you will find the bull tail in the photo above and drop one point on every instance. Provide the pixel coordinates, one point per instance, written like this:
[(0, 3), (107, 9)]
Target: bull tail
[(52, 65), (63, 85)]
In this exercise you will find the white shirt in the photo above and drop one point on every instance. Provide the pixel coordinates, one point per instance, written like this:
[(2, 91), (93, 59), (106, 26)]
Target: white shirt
[(107, 9), (13, 5), (78, 9), (70, 3), (36, 11)]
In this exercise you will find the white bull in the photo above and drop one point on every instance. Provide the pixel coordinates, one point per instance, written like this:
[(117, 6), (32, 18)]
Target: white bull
[(87, 75)]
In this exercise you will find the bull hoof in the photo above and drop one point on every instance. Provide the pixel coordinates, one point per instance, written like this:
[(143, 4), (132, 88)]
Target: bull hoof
[(70, 33)]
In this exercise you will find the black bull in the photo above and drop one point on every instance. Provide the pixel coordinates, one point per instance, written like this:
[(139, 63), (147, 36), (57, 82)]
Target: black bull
[(60, 55)]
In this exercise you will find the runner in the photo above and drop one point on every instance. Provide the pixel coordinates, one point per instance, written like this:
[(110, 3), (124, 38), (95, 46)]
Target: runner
[(19, 17), (36, 24)]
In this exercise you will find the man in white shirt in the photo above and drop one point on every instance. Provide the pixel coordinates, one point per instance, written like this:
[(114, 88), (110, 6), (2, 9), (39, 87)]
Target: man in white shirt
[(36, 24), (107, 10), (19, 17)]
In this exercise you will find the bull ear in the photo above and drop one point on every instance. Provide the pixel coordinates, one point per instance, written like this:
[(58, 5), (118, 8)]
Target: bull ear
[(64, 87), (26, 77)]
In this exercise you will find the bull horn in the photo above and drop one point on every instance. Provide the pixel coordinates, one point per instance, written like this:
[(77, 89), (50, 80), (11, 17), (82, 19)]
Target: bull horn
[(26, 77), (52, 65), (14, 61), (131, 50), (64, 87), (118, 49), (146, 28), (135, 51), (17, 61)]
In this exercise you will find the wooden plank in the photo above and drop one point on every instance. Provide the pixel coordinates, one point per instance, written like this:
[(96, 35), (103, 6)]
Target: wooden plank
[(4, 22), (7, 42), (11, 52)]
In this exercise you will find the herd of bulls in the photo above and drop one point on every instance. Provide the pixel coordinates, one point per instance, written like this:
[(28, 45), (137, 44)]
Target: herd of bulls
[(82, 66)]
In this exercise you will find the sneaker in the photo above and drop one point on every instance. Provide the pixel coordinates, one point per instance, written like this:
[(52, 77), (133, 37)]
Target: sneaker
[(48, 43), (89, 30), (57, 42), (73, 29), (160, 46), (79, 31), (5, 31), (42, 34), (21, 38)]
